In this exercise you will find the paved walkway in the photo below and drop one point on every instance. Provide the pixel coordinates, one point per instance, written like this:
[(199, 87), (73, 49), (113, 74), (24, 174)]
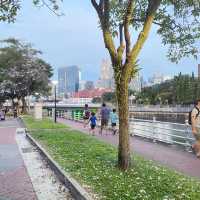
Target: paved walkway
[(170, 156), (15, 183)]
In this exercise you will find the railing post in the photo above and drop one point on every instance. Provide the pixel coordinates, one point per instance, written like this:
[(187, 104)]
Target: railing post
[(154, 131), (188, 146), (131, 120)]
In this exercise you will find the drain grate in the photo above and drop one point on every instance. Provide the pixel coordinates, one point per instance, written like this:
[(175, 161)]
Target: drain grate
[(27, 150)]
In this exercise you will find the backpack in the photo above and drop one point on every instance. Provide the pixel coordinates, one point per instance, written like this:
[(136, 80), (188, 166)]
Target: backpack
[(190, 115), (87, 113)]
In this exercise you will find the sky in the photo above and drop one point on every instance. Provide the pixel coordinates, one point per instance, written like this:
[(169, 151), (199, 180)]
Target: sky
[(76, 39)]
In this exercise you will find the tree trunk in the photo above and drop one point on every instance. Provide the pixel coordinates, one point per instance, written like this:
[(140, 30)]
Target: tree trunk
[(24, 106), (124, 158), (13, 103)]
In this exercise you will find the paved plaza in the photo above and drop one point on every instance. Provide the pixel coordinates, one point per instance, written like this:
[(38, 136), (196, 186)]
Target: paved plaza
[(15, 183), (24, 175)]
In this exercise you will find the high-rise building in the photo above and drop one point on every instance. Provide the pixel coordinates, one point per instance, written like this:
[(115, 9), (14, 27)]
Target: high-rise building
[(106, 75), (198, 70), (68, 80), (82, 85), (106, 70)]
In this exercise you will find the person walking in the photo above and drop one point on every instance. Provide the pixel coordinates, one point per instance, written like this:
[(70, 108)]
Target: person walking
[(15, 113), (93, 123), (105, 115), (113, 119), (195, 120), (86, 115)]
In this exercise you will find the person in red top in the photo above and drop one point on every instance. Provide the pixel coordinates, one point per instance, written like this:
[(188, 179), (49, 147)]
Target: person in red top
[(86, 115)]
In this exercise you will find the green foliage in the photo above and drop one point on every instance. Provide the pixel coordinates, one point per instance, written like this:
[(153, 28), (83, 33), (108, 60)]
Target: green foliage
[(22, 72), (93, 164), (109, 97), (10, 8), (41, 124), (177, 22), (183, 89), (97, 100)]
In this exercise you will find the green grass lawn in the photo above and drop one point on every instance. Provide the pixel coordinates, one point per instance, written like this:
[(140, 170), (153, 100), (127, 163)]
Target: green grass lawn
[(93, 163), (41, 124)]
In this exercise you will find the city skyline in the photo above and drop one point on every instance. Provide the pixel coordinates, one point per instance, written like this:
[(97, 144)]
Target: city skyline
[(67, 43), (68, 80), (146, 78)]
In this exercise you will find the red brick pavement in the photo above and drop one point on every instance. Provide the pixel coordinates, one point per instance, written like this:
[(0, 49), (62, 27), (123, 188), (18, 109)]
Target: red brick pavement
[(15, 184), (7, 135), (172, 157)]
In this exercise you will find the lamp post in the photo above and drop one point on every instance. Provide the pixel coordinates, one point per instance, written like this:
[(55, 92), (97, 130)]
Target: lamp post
[(55, 106)]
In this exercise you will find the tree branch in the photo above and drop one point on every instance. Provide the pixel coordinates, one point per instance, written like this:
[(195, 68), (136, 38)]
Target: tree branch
[(98, 7), (103, 11), (151, 11), (121, 36), (51, 9), (127, 20)]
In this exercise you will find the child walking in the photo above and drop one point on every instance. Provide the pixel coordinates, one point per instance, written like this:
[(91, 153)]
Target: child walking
[(93, 123), (113, 118)]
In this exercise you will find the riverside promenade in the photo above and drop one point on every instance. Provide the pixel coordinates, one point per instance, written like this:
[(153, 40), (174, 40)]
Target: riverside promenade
[(15, 183), (170, 156)]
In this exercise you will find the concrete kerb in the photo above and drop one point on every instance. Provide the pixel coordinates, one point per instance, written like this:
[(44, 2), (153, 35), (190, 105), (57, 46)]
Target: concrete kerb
[(77, 191)]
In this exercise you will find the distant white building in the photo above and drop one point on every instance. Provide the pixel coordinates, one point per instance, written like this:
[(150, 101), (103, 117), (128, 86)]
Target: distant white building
[(166, 78), (158, 78), (79, 101), (82, 85), (136, 84), (106, 79)]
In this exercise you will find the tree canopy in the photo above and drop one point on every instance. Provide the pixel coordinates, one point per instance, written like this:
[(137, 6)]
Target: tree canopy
[(177, 22), (182, 89), (9, 8), (22, 71)]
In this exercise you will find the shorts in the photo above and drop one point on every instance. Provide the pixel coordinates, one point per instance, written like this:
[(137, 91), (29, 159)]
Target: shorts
[(197, 135), (86, 117), (114, 124), (104, 122), (92, 126)]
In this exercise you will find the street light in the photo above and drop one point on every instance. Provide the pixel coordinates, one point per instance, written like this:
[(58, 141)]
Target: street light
[(55, 83)]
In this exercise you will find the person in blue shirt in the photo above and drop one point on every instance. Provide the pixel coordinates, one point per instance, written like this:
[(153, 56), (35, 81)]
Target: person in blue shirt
[(93, 122), (114, 119)]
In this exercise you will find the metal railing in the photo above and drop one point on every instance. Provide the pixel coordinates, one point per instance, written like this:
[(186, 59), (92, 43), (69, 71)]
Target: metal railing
[(171, 133), (177, 109), (167, 132)]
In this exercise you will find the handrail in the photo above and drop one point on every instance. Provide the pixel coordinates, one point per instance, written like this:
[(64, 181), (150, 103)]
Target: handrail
[(181, 134), (158, 132)]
